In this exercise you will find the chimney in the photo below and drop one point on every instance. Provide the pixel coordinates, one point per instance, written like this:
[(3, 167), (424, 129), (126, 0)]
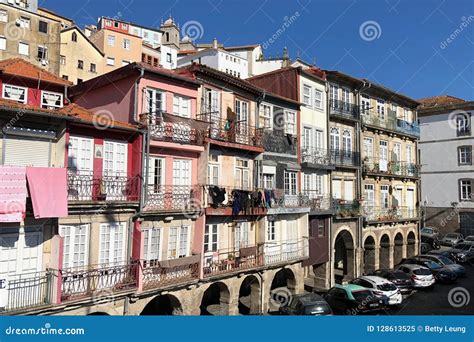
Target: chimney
[(214, 43), (286, 58)]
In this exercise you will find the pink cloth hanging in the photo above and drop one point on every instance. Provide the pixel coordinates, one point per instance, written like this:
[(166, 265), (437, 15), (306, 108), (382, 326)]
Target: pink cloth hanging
[(48, 191), (13, 193)]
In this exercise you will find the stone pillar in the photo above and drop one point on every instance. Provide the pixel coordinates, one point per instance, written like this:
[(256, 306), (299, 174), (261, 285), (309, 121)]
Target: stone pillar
[(377, 258), (391, 258)]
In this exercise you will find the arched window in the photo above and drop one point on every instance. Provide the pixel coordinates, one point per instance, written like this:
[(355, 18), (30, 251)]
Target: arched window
[(347, 142), (334, 139), (167, 37), (74, 37)]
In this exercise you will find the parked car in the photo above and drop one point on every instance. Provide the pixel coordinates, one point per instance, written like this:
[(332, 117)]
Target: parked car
[(353, 299), (431, 232), (399, 278), (441, 273), (451, 239), (462, 252), (431, 241), (309, 304), (469, 238), (425, 247), (421, 276), (381, 287), (443, 258)]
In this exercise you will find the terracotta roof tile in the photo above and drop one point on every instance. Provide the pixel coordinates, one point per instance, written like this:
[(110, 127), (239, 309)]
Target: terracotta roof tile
[(22, 68), (440, 100)]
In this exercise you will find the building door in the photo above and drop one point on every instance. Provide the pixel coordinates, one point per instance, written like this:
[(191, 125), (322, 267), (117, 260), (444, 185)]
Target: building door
[(80, 163), (383, 155), (181, 182), (384, 196), (410, 201), (241, 235), (211, 243), (211, 110), (242, 112), (369, 201), (115, 170)]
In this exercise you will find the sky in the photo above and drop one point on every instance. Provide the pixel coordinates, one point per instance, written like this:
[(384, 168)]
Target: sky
[(419, 48)]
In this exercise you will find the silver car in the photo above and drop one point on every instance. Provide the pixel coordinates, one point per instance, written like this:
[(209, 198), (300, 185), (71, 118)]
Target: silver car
[(451, 239)]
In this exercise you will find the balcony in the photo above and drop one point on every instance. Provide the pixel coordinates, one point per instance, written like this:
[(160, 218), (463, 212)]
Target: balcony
[(375, 214), (345, 158), (277, 142), (316, 158), (83, 282), (173, 198), (233, 201), (175, 129), (285, 252), (233, 133), (83, 186), (232, 260), (382, 167), (342, 109), (159, 274), (28, 291), (390, 123), (347, 209)]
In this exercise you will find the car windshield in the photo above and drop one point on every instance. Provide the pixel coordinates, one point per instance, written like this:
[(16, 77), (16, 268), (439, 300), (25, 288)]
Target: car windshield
[(445, 260), (398, 275), (427, 230), (422, 271), (387, 287), (317, 309), (433, 265), (470, 238), (361, 295), (451, 236)]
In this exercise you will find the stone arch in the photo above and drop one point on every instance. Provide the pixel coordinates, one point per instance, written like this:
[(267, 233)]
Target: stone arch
[(283, 286), (398, 247), (369, 254), (216, 300), (163, 305), (385, 246), (411, 244), (344, 256), (249, 296)]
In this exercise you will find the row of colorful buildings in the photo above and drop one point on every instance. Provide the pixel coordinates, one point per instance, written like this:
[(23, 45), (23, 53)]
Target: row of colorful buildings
[(193, 191)]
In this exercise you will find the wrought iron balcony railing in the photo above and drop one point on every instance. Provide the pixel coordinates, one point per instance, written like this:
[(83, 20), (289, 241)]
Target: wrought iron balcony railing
[(164, 198), (288, 251), (392, 168), (231, 260), (343, 109), (316, 156), (28, 291), (238, 132), (347, 208), (172, 128), (83, 282), (345, 158), (239, 200), (158, 274), (312, 199), (84, 186), (398, 213), (389, 122)]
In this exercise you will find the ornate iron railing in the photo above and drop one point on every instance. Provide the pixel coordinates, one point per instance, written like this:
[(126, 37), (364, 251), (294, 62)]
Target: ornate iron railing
[(306, 198), (280, 252), (157, 274), (347, 209), (172, 128), (390, 122), (28, 291), (242, 200), (343, 109), (393, 168), (173, 198), (97, 280), (84, 186), (231, 260), (374, 213), (316, 156), (345, 158), (239, 132)]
